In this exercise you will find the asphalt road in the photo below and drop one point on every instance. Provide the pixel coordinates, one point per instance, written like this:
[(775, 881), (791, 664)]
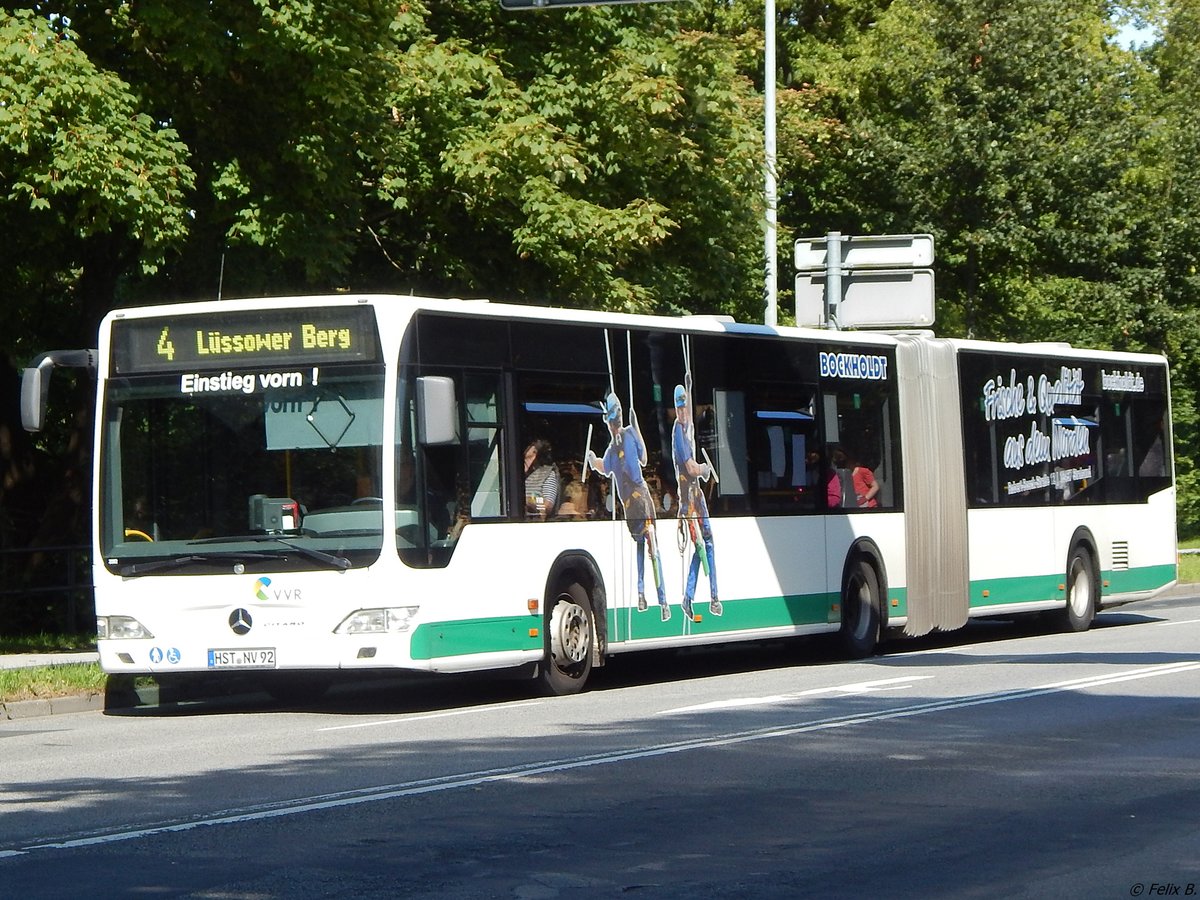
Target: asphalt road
[(999, 761)]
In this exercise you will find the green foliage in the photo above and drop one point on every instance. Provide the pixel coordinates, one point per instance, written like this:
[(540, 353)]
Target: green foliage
[(279, 104), (75, 147), (82, 166), (1003, 131), (1053, 167), (599, 159)]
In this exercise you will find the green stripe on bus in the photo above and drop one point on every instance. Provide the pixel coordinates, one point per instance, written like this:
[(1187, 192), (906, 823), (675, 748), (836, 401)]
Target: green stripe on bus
[(1035, 588), (1024, 589), (435, 640), (1146, 578), (745, 614)]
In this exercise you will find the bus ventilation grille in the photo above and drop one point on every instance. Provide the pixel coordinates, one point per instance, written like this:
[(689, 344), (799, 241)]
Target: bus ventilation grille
[(1120, 555)]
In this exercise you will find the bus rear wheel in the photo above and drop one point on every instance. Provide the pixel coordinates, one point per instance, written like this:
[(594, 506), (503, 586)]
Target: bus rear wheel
[(570, 634), (859, 634), (1081, 587)]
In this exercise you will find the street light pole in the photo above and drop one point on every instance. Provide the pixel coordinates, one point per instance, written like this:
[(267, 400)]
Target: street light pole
[(771, 316)]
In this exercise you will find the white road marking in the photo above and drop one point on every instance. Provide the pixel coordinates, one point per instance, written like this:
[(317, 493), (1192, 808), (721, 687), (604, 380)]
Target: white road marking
[(459, 781), (863, 687), (442, 715)]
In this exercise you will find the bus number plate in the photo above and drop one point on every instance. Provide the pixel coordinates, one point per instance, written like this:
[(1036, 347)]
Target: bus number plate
[(242, 658)]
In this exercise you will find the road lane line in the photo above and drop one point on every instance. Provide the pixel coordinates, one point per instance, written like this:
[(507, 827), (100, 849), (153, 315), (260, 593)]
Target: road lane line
[(523, 704), (862, 687), (459, 781)]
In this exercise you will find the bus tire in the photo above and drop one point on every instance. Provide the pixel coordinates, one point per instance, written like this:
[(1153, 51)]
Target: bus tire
[(1081, 586), (570, 635), (859, 634)]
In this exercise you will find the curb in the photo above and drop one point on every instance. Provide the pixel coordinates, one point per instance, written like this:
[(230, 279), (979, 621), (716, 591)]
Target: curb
[(119, 694), (32, 709), (89, 701)]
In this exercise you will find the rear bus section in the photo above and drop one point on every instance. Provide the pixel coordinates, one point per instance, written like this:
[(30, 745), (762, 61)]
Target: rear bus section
[(1070, 488)]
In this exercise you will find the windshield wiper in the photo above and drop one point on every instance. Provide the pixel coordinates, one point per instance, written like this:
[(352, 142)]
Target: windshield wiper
[(176, 562), (338, 562)]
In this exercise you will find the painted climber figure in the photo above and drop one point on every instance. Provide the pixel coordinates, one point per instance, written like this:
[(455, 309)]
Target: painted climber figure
[(693, 508), (622, 463)]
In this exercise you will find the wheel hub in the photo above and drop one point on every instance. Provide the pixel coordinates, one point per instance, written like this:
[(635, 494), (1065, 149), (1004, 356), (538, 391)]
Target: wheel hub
[(570, 636)]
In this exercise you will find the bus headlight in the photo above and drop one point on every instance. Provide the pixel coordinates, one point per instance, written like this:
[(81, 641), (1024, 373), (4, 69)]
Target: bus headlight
[(120, 627), (393, 620)]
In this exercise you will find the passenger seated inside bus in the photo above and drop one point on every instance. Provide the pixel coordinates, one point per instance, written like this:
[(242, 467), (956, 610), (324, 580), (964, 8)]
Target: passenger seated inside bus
[(866, 487), (822, 481), (574, 505), (541, 481)]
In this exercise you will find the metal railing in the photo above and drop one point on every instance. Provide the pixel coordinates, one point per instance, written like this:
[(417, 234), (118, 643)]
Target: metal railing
[(61, 584)]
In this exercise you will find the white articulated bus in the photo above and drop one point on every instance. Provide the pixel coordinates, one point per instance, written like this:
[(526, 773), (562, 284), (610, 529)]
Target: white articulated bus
[(305, 485)]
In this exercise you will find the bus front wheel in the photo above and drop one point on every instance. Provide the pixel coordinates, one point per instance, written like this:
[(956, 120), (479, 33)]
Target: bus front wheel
[(570, 634), (859, 634), (1081, 588)]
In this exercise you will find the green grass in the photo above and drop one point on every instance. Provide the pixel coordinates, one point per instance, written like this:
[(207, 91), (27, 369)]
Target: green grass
[(1189, 563), (44, 682)]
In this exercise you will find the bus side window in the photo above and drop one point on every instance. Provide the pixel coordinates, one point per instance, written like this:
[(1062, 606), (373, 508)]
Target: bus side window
[(484, 447), (862, 445), (1151, 447), (1135, 454), (786, 452), (559, 411)]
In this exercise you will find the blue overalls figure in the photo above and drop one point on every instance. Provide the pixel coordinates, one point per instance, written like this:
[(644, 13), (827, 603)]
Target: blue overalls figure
[(622, 463), (693, 508)]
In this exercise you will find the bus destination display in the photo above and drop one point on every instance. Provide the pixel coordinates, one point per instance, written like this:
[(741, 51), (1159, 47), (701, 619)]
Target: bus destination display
[(262, 338)]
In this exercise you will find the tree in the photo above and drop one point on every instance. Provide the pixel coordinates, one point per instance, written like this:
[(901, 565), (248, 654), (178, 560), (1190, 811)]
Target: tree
[(599, 157), (1168, 183), (90, 187), (278, 104), (84, 171), (1005, 129)]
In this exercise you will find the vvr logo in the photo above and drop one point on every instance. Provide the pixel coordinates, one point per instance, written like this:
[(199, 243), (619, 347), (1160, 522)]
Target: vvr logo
[(260, 591)]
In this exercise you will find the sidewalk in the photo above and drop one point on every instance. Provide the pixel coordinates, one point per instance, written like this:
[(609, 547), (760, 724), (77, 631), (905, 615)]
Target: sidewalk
[(32, 660)]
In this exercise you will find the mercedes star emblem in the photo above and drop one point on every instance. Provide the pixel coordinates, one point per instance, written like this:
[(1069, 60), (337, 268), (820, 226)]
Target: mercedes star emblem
[(240, 621)]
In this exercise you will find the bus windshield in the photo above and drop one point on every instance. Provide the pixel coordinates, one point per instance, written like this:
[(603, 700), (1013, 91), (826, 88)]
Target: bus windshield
[(259, 470)]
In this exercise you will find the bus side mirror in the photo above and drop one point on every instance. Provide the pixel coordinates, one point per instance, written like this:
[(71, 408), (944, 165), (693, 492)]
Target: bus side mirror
[(35, 382), (437, 410)]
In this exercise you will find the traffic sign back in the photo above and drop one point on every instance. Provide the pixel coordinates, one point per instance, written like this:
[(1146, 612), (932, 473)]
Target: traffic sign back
[(871, 298), (891, 251)]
